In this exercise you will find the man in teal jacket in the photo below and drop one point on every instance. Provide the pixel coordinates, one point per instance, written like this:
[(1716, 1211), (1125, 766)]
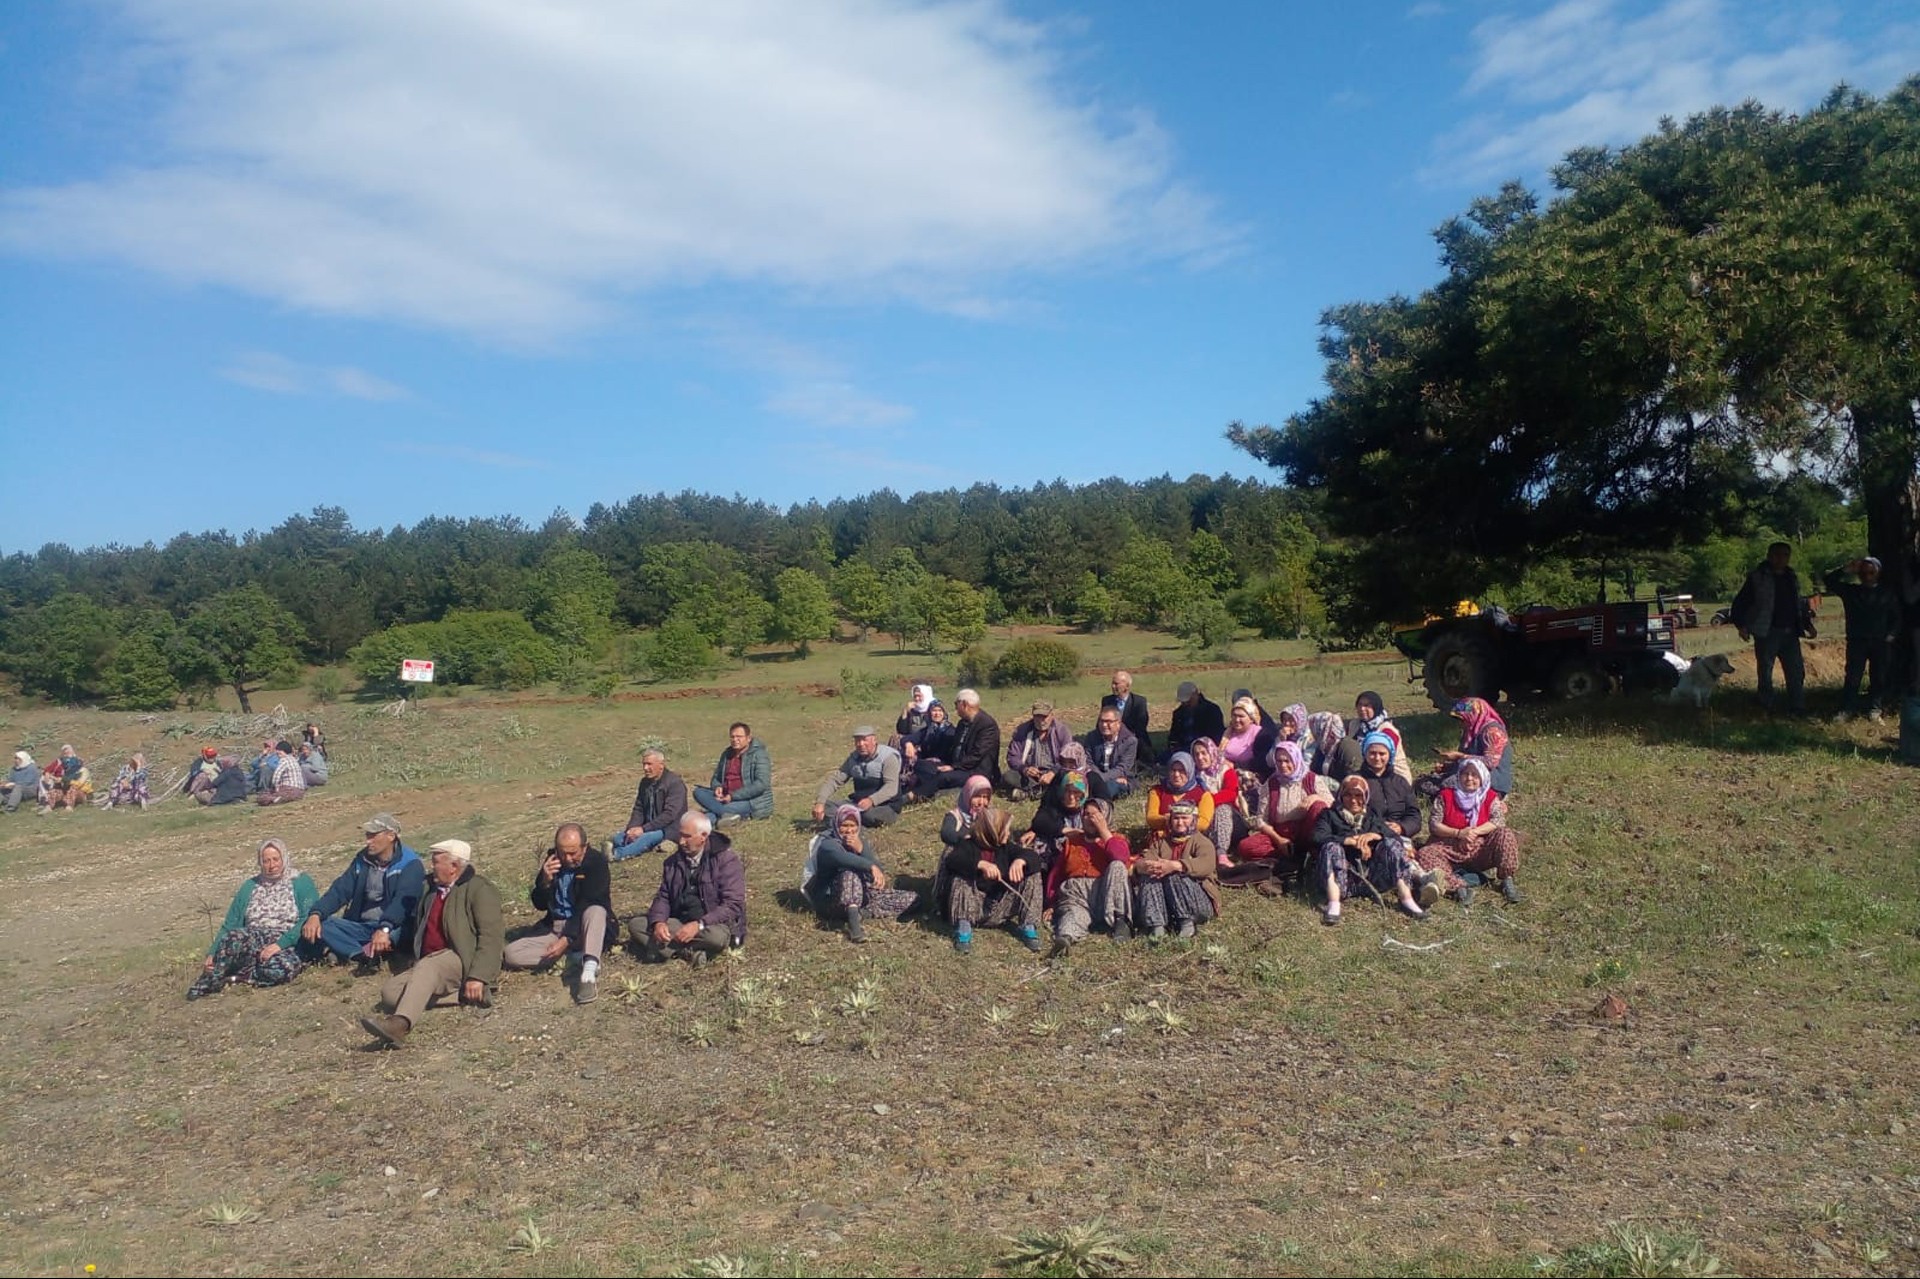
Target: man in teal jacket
[(742, 780)]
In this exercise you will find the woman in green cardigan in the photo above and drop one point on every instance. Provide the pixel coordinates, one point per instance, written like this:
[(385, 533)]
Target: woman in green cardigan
[(259, 942)]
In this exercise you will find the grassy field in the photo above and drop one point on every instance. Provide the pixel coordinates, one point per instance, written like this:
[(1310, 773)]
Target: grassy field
[(1279, 1098)]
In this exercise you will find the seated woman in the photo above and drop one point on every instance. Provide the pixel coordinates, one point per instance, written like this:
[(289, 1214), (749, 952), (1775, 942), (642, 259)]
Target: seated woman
[(843, 872), (130, 784), (983, 876), (73, 786), (202, 773), (1294, 727), (313, 764), (1178, 783), (1390, 798), (1087, 881), (259, 941), (1370, 716), (1471, 837), (914, 717), (1356, 853), (933, 741), (1483, 736), (1175, 878), (23, 781), (1335, 756), (1281, 827), (1247, 740), (229, 783), (1221, 781)]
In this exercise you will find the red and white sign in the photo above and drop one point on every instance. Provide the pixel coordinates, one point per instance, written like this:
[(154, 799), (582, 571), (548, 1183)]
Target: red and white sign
[(414, 671)]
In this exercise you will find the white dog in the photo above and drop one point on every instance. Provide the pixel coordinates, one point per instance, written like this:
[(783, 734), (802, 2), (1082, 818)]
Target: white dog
[(1698, 677)]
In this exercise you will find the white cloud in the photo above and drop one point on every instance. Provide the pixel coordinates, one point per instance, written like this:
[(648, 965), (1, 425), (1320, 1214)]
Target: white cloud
[(837, 404), (516, 170), (1594, 72), (265, 371)]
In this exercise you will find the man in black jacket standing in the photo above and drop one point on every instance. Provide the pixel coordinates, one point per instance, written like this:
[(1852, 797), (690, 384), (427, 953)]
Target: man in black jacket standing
[(574, 885), (1132, 708), (1193, 718)]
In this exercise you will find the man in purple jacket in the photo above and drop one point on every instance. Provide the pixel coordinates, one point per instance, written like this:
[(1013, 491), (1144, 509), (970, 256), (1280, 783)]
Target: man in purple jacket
[(701, 908)]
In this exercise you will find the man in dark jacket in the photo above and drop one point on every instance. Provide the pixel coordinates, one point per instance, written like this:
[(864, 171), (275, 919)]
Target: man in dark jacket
[(658, 807), (368, 912), (1194, 717), (701, 908), (574, 885), (1113, 756), (458, 938), (1873, 625), (976, 749), (1767, 610), (742, 785), (1132, 707), (229, 784)]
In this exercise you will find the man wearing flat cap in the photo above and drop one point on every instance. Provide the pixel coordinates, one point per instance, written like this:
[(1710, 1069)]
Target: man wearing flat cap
[(1033, 752), (458, 940), (873, 770)]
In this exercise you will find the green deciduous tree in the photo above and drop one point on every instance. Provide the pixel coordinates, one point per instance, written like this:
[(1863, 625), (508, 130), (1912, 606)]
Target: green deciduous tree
[(1149, 583), (861, 595), (238, 638), (140, 675), (61, 647), (571, 600), (802, 609)]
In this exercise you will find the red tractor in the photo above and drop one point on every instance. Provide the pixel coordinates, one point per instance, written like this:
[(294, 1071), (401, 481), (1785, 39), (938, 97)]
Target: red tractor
[(1561, 652)]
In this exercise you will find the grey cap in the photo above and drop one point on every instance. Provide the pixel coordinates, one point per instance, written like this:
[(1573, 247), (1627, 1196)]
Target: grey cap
[(1187, 689), (865, 730), (381, 822)]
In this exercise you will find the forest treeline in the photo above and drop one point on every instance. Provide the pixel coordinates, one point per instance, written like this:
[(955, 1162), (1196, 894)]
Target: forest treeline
[(669, 585)]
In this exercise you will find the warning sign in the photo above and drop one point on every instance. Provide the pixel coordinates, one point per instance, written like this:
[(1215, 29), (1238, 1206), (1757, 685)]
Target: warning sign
[(414, 671)]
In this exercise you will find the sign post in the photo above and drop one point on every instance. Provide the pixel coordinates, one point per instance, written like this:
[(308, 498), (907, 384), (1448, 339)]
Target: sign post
[(415, 671)]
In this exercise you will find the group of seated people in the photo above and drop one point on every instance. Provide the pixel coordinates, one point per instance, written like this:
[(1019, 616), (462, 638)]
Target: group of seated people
[(1327, 803), (60, 787), (280, 773)]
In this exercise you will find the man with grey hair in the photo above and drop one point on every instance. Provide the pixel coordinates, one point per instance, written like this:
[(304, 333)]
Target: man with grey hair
[(976, 749), (657, 808), (701, 908), (574, 886), (458, 940), (1195, 717), (873, 770), (1131, 706)]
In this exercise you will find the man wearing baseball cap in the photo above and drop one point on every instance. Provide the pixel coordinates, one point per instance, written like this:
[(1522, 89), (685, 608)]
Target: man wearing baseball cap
[(368, 912), (458, 940), (873, 769)]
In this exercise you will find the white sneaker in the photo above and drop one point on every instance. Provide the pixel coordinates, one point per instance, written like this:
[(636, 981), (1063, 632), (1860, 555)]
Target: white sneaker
[(1874, 716)]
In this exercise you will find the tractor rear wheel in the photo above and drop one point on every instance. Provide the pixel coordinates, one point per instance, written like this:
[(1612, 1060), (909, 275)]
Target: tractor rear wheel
[(1576, 678), (1461, 663)]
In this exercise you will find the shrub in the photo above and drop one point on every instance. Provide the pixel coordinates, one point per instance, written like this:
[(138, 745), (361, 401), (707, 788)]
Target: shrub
[(678, 650), (973, 666), (860, 688), (1036, 661), (601, 690), (327, 686), (500, 650)]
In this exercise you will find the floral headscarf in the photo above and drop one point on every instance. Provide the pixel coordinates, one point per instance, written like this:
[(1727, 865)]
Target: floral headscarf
[(1327, 729), (843, 812), (1210, 763), (1289, 751), (272, 907), (1302, 730), (1470, 801), (1476, 715)]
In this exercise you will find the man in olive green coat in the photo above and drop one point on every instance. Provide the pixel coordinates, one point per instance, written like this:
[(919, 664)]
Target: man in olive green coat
[(458, 938)]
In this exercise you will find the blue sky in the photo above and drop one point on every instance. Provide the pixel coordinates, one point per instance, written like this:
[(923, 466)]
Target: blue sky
[(477, 257)]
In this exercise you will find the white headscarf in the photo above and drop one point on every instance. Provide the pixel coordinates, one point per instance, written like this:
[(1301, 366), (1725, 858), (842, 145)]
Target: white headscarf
[(922, 697)]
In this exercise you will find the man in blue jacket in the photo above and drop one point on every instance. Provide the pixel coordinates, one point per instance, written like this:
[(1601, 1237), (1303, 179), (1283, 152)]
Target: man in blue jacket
[(369, 910)]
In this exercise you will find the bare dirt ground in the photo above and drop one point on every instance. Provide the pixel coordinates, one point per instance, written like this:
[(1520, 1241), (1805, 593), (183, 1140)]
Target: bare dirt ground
[(1279, 1098)]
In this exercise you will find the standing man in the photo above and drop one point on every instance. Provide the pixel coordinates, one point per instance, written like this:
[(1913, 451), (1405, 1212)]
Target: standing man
[(874, 771), (1767, 610), (1113, 756), (976, 749), (657, 808), (1133, 710), (742, 780), (574, 885), (1873, 625), (368, 911), (457, 944), (1194, 717), (701, 908)]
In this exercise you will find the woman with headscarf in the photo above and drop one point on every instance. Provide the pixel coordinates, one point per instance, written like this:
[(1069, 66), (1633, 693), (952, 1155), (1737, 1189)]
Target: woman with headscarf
[(1247, 741), (1370, 716), (1333, 755), (1087, 881), (259, 941), (1483, 736), (1281, 827), (1355, 849), (1390, 798), (130, 785), (1294, 726), (1175, 877), (1471, 838), (74, 783), (1221, 780), (203, 772), (843, 872), (22, 781), (914, 718), (1178, 782), (985, 875)]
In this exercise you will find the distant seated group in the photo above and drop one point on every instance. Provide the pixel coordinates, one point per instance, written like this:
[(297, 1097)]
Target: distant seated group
[(281, 773)]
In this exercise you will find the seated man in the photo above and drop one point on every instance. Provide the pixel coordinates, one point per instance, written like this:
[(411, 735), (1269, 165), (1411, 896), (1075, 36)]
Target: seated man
[(288, 783), (1113, 756), (368, 912), (260, 768), (874, 771), (458, 938), (975, 749), (701, 908), (742, 781), (658, 806), (1033, 752), (229, 785), (574, 885), (1132, 708), (313, 764), (1193, 718)]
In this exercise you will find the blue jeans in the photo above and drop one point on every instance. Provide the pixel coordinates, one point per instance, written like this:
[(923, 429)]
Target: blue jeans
[(645, 842), (703, 796), (347, 937), (1785, 645)]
